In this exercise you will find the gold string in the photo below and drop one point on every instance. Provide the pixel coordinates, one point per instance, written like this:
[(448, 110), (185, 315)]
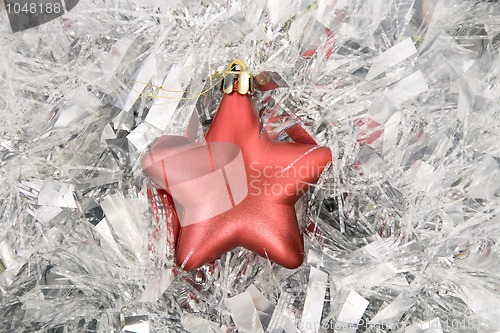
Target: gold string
[(155, 94)]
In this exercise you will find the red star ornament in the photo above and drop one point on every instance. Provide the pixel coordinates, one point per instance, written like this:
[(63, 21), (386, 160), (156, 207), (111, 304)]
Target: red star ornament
[(263, 219)]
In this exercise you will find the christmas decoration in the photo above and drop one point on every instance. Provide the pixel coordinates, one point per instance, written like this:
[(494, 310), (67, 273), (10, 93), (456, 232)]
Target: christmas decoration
[(400, 234), (245, 200)]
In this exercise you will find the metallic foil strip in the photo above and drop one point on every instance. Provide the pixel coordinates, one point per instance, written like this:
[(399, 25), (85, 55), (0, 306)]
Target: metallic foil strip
[(283, 318), (351, 313), (315, 299), (245, 314)]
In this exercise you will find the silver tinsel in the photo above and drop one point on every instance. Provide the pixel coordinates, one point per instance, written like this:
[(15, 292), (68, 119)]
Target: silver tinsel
[(401, 232)]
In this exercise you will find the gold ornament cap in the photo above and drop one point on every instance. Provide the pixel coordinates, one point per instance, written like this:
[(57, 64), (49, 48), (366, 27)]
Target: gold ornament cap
[(238, 72)]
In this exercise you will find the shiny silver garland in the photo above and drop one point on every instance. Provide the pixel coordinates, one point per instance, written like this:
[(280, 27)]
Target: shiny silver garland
[(401, 232)]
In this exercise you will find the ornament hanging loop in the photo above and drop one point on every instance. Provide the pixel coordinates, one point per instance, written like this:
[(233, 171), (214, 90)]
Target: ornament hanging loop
[(238, 73)]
